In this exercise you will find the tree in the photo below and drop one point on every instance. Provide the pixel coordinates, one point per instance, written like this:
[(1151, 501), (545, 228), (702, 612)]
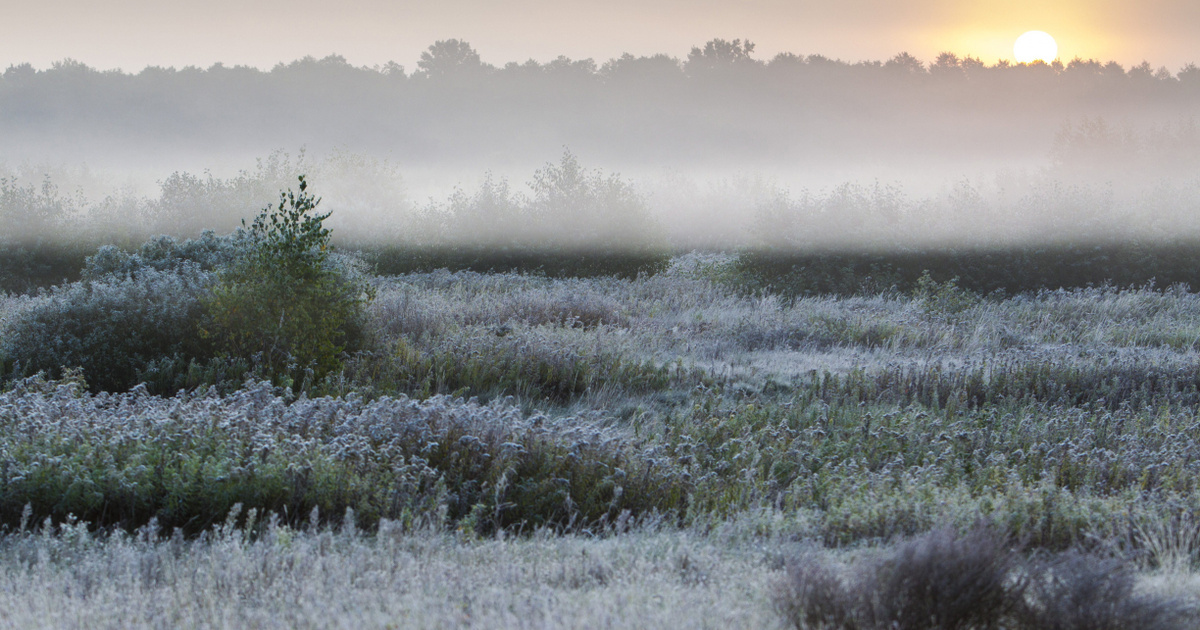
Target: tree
[(947, 65), (905, 63), (286, 305), (1189, 76), (585, 209), (450, 57), (718, 54)]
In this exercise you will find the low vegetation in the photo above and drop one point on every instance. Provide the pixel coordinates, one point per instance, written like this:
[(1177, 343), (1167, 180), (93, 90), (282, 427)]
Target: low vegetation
[(866, 461)]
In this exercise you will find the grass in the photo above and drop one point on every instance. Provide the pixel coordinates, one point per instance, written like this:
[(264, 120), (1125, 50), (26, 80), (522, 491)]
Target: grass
[(291, 578), (128, 459), (742, 427), (336, 576)]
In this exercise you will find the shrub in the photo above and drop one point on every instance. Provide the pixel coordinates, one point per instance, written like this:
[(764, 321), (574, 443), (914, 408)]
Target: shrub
[(113, 327), (164, 253), (287, 304), (940, 580), (1076, 591), (943, 580), (943, 299), (272, 300), (974, 581), (814, 595)]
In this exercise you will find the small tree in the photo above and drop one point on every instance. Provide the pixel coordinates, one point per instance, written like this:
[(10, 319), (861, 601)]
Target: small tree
[(287, 305)]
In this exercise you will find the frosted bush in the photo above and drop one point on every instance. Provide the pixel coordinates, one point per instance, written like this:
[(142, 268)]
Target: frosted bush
[(165, 253), (111, 327)]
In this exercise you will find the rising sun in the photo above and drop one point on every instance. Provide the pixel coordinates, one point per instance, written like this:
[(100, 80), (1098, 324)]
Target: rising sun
[(1035, 46)]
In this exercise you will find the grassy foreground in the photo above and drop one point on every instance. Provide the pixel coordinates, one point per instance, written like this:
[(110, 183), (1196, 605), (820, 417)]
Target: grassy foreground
[(661, 451)]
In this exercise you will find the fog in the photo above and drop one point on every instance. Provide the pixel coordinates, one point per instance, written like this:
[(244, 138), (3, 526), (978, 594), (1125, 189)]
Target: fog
[(721, 149)]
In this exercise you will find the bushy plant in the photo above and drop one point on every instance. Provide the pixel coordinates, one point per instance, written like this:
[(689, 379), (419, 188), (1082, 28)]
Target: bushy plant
[(944, 580), (209, 252), (129, 315), (815, 595), (112, 327), (1074, 591), (943, 299), (272, 300), (949, 581), (287, 304)]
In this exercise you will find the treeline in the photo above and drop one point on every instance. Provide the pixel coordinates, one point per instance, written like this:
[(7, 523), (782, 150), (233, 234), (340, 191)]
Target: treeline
[(1017, 234), (721, 102)]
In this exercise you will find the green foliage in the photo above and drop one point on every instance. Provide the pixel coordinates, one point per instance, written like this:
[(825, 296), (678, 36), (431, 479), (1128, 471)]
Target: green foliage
[(943, 299), (286, 305)]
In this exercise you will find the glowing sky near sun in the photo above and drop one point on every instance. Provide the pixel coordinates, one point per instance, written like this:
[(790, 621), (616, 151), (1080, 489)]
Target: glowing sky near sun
[(134, 33)]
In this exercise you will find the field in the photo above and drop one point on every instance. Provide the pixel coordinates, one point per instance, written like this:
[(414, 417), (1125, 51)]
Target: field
[(517, 450), (870, 345)]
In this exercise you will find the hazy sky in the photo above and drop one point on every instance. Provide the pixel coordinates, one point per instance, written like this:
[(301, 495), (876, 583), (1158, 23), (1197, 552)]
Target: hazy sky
[(131, 34)]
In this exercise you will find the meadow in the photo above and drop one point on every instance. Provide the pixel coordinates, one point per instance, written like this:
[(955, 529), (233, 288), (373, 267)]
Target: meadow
[(686, 437), (273, 428)]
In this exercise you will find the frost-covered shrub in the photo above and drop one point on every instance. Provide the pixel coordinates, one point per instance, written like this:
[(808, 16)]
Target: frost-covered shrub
[(1074, 591), (112, 326), (177, 314), (164, 253), (132, 315), (950, 581)]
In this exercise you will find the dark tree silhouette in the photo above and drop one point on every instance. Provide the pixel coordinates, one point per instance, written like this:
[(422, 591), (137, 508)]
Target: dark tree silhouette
[(719, 53), (449, 57), (905, 63)]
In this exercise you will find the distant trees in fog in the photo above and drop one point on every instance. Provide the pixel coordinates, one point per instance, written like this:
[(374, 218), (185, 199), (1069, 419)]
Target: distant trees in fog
[(721, 99)]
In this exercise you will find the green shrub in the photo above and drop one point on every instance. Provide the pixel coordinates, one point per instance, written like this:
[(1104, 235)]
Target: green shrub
[(946, 299), (288, 305)]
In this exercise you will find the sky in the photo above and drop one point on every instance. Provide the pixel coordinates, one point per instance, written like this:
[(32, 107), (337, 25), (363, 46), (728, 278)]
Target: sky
[(133, 34)]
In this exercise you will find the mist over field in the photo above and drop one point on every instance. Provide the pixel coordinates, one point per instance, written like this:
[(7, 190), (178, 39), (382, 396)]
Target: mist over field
[(723, 148)]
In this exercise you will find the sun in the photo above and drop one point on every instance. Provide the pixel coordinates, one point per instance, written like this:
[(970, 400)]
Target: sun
[(1035, 46)]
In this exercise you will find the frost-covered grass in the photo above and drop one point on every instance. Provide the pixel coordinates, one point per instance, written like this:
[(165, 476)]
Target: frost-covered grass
[(66, 577), (732, 420), (124, 460), (396, 579), (694, 316)]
